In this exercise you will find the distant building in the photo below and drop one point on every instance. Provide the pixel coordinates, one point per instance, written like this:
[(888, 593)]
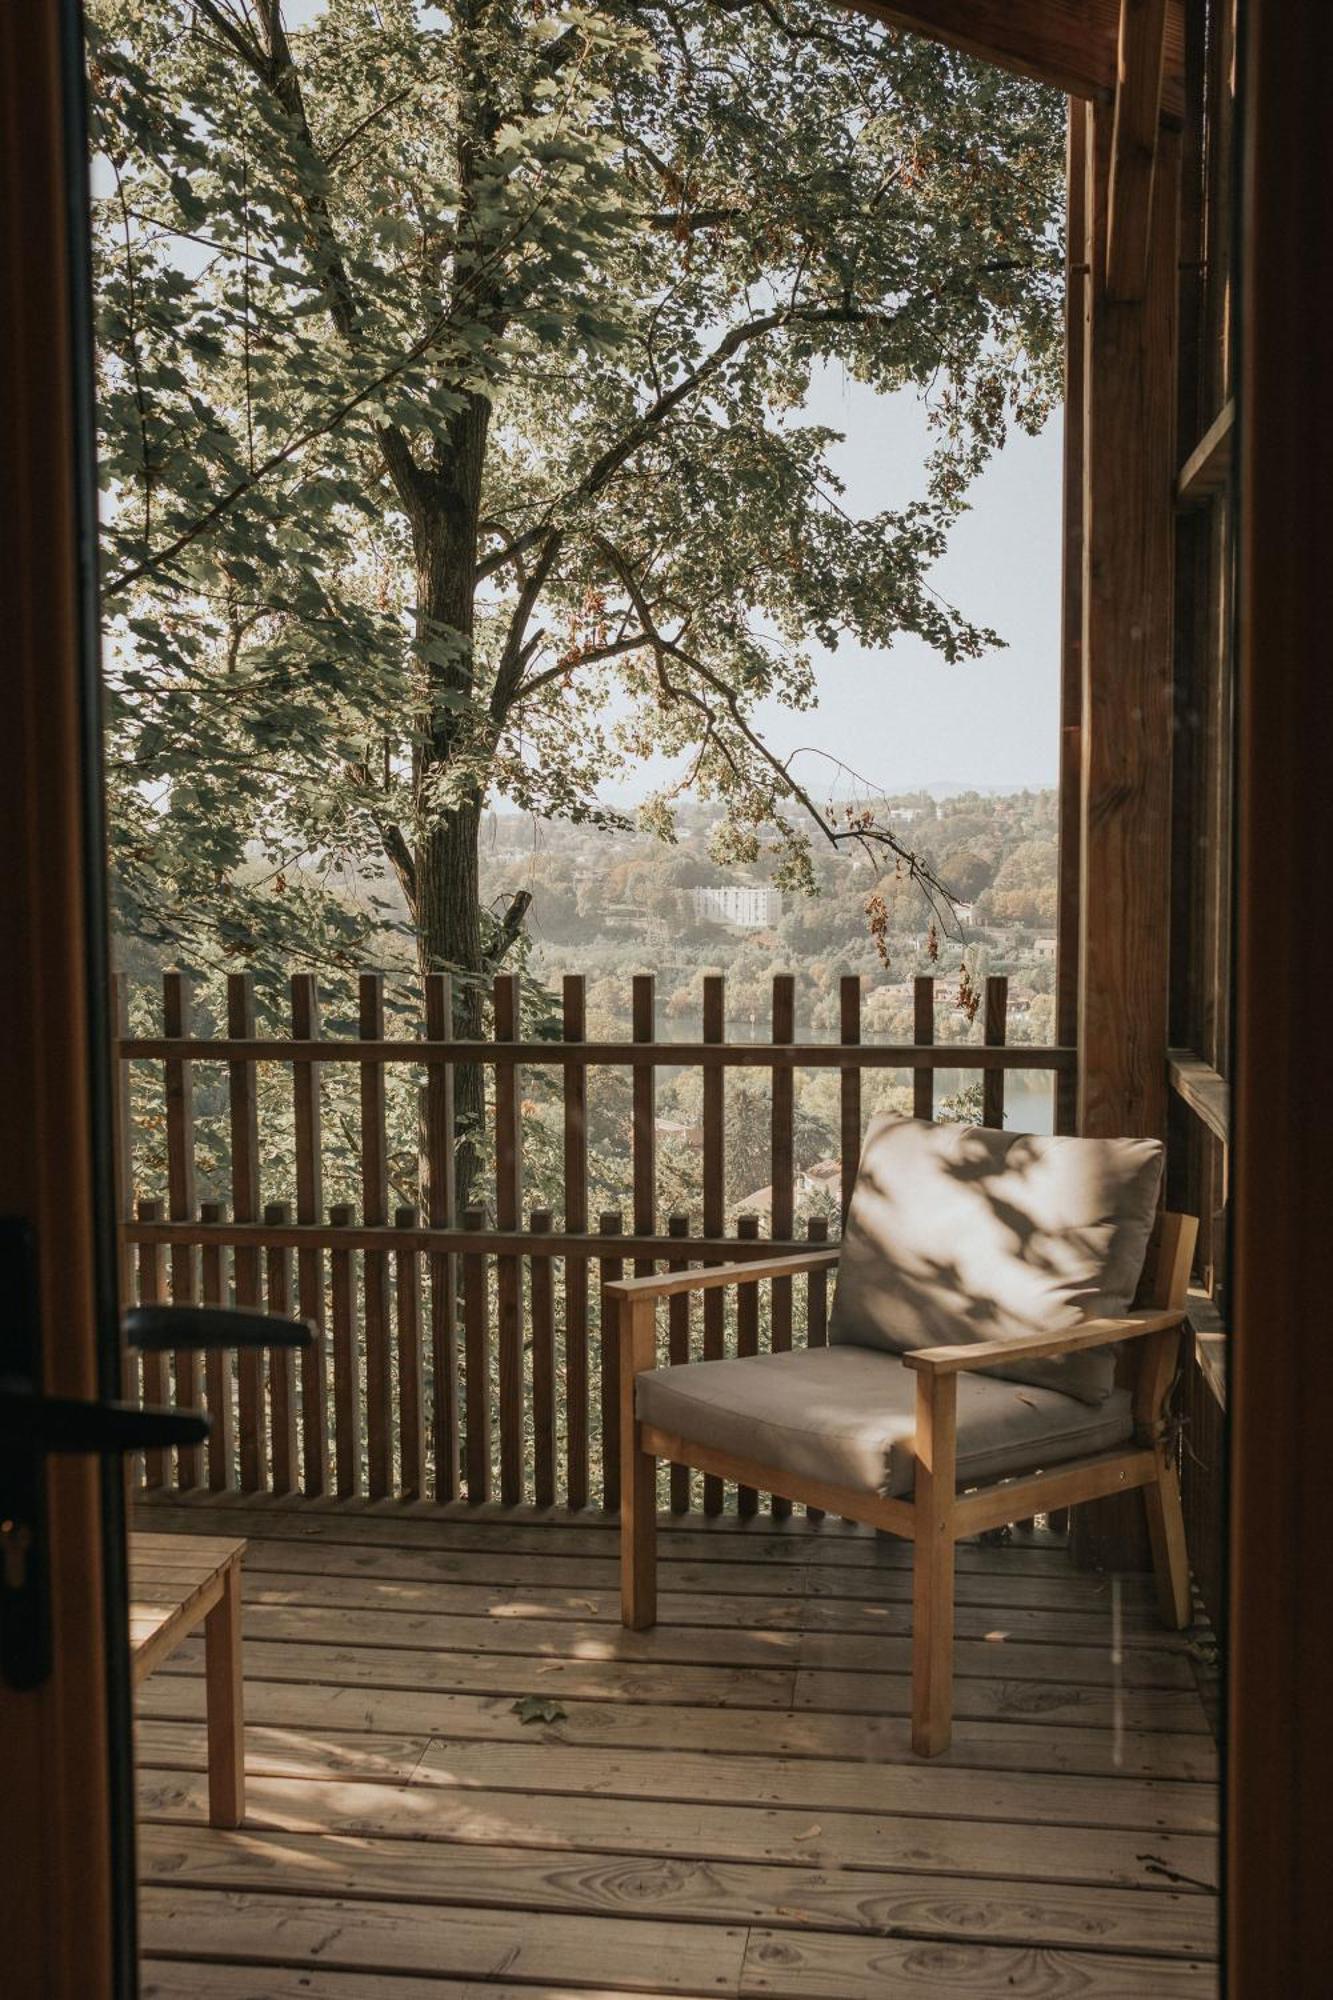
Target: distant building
[(1044, 947), (741, 904)]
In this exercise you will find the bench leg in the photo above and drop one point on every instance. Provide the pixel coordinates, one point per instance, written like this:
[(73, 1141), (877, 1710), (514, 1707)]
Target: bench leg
[(638, 1476), (1170, 1557), (933, 1566), (226, 1721)]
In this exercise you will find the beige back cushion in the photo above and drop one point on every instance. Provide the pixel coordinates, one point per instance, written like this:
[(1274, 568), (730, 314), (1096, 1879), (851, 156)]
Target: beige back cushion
[(957, 1234)]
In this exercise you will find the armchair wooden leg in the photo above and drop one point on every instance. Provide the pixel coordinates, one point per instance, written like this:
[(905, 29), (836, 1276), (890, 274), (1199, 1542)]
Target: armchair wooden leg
[(638, 1474), (1170, 1557), (933, 1565)]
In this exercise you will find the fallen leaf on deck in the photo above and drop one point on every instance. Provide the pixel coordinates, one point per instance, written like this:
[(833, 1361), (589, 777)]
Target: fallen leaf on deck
[(997, 1635), (535, 1708), (811, 1833)]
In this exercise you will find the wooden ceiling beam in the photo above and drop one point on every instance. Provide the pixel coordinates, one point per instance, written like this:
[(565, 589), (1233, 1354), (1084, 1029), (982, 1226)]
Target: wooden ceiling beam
[(1073, 45), (1141, 53)]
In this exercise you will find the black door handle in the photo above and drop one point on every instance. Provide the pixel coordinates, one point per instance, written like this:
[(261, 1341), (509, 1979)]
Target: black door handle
[(161, 1329), (67, 1423)]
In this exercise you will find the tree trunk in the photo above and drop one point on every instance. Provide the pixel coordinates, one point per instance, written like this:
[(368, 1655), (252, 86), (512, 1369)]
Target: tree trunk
[(445, 520), (448, 920)]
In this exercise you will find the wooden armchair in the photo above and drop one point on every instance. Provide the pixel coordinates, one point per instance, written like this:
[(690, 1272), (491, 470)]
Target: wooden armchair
[(1062, 1442)]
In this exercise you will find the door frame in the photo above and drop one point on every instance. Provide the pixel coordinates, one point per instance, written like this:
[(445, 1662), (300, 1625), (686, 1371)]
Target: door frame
[(66, 1803)]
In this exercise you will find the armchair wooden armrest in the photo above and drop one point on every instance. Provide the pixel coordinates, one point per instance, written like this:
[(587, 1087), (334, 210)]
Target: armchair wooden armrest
[(935, 1361), (751, 1272)]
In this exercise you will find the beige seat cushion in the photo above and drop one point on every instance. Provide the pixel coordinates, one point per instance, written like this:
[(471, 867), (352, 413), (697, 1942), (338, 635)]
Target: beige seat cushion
[(846, 1415), (958, 1234)]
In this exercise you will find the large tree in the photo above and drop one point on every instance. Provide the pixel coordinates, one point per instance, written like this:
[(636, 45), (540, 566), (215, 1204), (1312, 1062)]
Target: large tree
[(454, 362)]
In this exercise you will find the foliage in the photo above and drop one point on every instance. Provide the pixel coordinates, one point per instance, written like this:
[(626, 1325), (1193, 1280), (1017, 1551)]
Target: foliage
[(452, 364)]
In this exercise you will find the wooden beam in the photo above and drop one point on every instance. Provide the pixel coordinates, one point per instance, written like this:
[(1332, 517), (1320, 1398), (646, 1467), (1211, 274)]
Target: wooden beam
[(1127, 607), (1141, 53), (1208, 468), (1198, 1084), (1073, 45), (1128, 586), (1071, 625)]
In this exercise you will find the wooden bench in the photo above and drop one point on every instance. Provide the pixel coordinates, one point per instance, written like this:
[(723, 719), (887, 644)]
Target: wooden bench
[(175, 1582)]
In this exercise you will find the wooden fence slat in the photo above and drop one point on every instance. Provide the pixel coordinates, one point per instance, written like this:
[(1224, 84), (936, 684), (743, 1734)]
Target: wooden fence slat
[(544, 1428), (122, 1109), (509, 1269), (438, 1159), (245, 1206), (678, 1353), (747, 1341), (476, 1368), (411, 1399), (346, 1363), (849, 1034), (375, 1268), (575, 1029), (715, 1184), (310, 1262), (219, 1362), (923, 1034), (643, 1126), (152, 1289), (782, 1178), (816, 1310), (281, 1360), (992, 1082), (610, 1269), (178, 1082)]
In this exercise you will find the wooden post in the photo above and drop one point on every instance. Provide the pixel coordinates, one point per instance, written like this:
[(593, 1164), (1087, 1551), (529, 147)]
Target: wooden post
[(281, 1360), (509, 1270), (1128, 542), (179, 1083), (1129, 350), (714, 1188), (637, 1338), (242, 1079), (411, 1399), (438, 1155), (574, 1029), (375, 1267), (309, 1209)]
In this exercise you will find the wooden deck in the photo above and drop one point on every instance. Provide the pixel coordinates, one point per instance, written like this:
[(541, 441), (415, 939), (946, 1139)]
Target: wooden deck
[(727, 1805)]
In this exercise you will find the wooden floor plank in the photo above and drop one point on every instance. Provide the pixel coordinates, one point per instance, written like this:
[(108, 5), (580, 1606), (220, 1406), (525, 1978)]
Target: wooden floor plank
[(327, 1583), (1121, 1920), (688, 1686), (588, 1639), (811, 1967), (877, 1841), (824, 1785), (1023, 1746), (185, 1979), (678, 1610), (446, 1942), (725, 1804)]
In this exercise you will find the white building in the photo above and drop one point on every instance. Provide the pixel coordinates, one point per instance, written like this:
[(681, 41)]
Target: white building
[(743, 904)]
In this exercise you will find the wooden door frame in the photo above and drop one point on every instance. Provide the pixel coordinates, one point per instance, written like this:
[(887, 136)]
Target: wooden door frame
[(67, 1917), (1279, 1816)]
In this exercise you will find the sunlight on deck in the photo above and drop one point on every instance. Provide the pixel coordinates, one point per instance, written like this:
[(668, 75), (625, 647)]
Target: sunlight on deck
[(727, 1804)]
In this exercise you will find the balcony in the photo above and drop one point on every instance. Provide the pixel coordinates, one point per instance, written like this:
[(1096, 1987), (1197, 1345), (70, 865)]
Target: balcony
[(726, 1804)]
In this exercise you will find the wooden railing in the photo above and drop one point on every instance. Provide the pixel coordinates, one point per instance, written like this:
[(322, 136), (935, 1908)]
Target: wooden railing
[(460, 1357)]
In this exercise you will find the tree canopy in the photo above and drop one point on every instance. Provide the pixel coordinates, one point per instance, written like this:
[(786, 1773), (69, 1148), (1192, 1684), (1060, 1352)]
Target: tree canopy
[(453, 363)]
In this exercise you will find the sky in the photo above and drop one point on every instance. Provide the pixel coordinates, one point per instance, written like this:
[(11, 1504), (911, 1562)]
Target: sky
[(901, 718)]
